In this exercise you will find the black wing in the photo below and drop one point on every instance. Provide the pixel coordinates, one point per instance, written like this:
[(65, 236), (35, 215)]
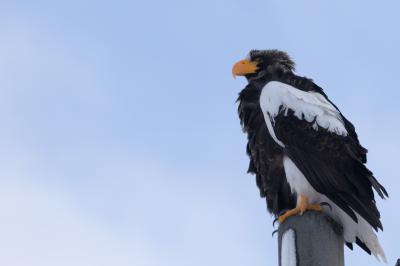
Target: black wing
[(306, 84), (333, 164), (265, 155)]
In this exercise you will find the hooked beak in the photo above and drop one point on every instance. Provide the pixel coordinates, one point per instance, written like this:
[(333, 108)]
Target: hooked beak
[(244, 67)]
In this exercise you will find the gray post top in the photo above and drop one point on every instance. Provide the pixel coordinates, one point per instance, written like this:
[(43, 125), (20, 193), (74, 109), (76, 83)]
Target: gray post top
[(311, 239)]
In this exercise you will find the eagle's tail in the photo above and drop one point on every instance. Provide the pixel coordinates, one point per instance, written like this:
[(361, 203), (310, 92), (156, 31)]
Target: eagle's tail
[(372, 242), (360, 232)]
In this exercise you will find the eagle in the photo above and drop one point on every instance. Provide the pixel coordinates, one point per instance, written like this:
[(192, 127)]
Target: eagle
[(304, 153)]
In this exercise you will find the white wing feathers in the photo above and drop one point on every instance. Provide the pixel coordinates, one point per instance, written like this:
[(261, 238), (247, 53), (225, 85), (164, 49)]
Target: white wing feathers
[(310, 106)]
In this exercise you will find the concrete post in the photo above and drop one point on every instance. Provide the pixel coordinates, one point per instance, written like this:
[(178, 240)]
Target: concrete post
[(312, 239)]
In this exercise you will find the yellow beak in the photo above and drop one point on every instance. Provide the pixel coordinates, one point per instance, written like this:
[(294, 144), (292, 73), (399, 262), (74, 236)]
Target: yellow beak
[(244, 67)]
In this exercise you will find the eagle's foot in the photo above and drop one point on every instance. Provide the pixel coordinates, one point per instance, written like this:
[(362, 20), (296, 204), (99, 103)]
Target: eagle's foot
[(287, 214), (314, 207), (279, 214), (302, 206)]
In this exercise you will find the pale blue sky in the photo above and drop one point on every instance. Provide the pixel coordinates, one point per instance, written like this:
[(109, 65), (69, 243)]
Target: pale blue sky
[(120, 143)]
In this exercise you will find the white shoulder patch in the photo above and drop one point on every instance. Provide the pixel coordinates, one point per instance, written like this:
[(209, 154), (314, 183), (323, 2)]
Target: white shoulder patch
[(310, 106)]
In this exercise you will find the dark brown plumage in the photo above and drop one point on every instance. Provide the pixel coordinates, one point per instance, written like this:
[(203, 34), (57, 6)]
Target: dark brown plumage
[(333, 164)]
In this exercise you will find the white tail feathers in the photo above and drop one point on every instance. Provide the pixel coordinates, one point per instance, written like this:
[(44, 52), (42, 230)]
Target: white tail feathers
[(376, 248), (361, 229)]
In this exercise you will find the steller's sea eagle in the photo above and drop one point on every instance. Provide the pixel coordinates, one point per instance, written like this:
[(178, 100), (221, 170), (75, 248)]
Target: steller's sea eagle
[(303, 151)]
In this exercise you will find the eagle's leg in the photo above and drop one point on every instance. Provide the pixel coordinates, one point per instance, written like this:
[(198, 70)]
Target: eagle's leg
[(302, 206)]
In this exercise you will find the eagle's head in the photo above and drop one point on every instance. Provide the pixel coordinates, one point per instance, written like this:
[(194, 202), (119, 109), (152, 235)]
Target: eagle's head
[(263, 63)]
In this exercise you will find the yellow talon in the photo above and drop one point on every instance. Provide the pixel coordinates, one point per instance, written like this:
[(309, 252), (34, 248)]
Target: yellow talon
[(302, 206)]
